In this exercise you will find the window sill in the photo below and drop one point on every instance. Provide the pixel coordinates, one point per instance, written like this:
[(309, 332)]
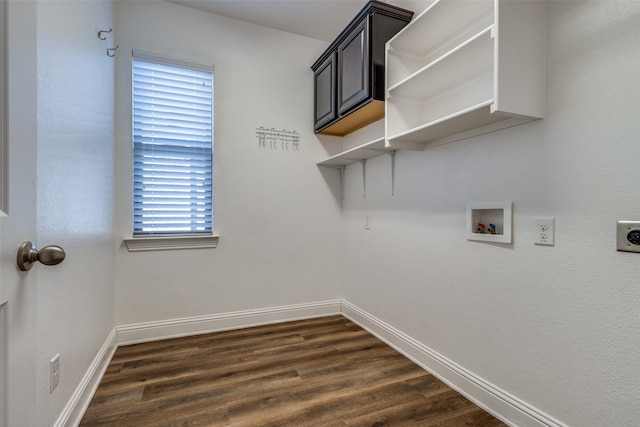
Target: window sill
[(141, 244)]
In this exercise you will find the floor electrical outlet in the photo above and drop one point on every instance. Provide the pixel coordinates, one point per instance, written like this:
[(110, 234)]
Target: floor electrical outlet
[(545, 231), (54, 374)]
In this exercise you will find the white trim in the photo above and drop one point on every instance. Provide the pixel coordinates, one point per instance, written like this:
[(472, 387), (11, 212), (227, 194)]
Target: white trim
[(74, 410), (168, 60), (173, 328), (494, 400), (141, 244)]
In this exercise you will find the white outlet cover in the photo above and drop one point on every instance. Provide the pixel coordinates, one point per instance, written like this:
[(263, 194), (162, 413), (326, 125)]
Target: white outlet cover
[(54, 372), (545, 228), (628, 236)]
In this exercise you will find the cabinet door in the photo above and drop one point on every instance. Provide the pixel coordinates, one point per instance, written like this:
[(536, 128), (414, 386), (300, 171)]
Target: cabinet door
[(353, 68), (325, 92)]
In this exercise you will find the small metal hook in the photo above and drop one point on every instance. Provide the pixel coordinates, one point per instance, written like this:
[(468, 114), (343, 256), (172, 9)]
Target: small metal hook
[(104, 31), (111, 49)]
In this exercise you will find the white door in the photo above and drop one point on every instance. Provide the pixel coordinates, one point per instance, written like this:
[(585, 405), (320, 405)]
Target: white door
[(18, 221)]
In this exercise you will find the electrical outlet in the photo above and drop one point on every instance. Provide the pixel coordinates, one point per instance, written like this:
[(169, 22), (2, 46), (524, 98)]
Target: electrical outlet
[(54, 372), (367, 222), (628, 236), (545, 231)]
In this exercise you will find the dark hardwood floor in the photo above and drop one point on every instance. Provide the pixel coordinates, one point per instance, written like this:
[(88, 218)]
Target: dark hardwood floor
[(318, 372)]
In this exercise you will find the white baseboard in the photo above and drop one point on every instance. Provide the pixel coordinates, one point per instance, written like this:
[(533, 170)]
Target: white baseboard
[(173, 328), (74, 410), (494, 400), (503, 405), (151, 331)]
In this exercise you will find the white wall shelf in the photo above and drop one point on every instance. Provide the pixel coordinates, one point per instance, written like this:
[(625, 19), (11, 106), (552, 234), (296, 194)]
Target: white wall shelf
[(361, 154), (449, 25), (464, 68)]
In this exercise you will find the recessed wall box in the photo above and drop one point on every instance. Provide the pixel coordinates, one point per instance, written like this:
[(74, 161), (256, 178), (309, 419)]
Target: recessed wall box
[(489, 221)]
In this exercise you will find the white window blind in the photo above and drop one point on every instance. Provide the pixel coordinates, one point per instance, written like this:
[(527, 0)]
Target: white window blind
[(172, 149)]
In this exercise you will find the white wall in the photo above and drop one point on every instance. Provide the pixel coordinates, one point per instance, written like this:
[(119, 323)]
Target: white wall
[(75, 193), (557, 327), (278, 220)]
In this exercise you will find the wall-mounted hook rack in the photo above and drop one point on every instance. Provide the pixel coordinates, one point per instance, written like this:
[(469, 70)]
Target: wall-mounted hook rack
[(273, 136), (111, 50)]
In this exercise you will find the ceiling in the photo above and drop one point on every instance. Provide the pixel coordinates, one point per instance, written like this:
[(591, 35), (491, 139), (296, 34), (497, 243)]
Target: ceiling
[(318, 19)]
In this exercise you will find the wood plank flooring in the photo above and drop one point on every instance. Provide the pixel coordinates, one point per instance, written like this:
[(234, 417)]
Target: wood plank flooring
[(318, 372)]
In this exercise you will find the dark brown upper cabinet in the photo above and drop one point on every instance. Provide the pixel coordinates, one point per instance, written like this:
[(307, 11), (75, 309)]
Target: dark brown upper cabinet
[(325, 90), (349, 76)]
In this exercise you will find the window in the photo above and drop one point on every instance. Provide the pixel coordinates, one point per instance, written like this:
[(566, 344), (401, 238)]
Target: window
[(172, 148)]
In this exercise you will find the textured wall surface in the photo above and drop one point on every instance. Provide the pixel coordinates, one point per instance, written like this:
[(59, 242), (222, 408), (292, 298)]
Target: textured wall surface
[(75, 193), (557, 327), (278, 220)]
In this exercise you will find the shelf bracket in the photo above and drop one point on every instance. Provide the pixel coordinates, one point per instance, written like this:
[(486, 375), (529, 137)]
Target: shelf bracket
[(363, 162), (392, 154), (341, 169), (393, 171), (342, 173)]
